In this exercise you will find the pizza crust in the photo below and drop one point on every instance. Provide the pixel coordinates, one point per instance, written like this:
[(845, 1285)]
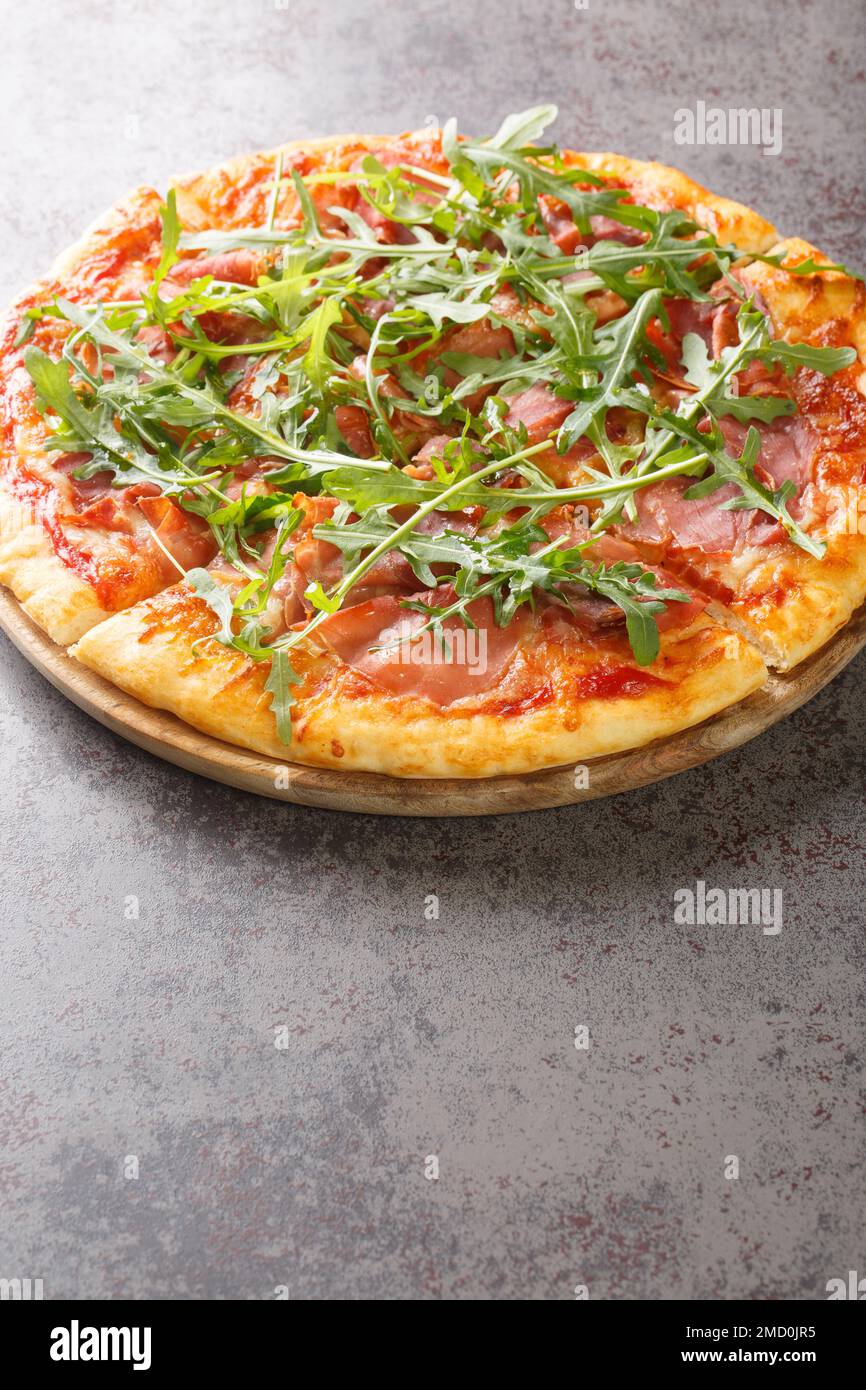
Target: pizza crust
[(129, 228), (148, 651), (238, 191), (661, 187), (50, 592)]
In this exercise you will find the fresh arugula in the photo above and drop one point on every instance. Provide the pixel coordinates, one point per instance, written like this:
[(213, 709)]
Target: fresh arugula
[(259, 378)]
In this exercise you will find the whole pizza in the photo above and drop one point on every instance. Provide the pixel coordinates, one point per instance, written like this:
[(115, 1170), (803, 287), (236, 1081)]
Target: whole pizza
[(435, 456)]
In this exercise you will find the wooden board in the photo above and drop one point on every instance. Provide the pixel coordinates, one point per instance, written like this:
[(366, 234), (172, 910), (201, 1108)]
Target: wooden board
[(169, 738)]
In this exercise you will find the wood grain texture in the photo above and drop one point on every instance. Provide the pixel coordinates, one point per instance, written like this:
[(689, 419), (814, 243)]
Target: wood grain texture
[(169, 738)]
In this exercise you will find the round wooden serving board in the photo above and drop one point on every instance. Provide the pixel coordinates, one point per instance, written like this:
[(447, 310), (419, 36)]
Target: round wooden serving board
[(368, 792)]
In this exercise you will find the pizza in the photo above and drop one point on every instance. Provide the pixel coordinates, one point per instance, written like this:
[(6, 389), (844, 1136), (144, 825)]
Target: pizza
[(435, 456)]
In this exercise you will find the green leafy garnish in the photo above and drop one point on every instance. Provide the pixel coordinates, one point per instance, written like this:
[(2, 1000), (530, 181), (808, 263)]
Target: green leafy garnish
[(367, 329)]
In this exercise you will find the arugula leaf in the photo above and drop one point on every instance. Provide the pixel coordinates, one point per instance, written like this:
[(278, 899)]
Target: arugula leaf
[(279, 684), (523, 128), (741, 472), (640, 598), (620, 349), (26, 329), (701, 372), (439, 307), (317, 364), (825, 360), (809, 266), (171, 230), (218, 598), (675, 256), (319, 599)]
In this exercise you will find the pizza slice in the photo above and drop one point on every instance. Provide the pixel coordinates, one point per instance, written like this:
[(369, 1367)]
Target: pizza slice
[(409, 676), (775, 534), (73, 546)]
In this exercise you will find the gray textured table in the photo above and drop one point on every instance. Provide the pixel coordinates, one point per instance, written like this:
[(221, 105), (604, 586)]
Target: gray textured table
[(304, 1165)]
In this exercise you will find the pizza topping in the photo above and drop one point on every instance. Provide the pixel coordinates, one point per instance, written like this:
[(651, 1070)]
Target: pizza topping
[(237, 267), (539, 411), (714, 322), (184, 541), (616, 683), (427, 339), (354, 425), (667, 519), (564, 231), (104, 514), (668, 516), (395, 648)]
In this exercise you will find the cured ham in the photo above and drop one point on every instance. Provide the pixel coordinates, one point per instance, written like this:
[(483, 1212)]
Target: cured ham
[(539, 410), (236, 267), (714, 321), (471, 661), (187, 538), (158, 342), (669, 519), (608, 229), (105, 513), (482, 339), (387, 231), (788, 447), (353, 422), (409, 427), (562, 229), (591, 611)]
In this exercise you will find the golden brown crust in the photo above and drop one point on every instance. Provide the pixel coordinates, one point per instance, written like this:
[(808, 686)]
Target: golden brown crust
[(340, 721), (50, 592), (118, 245), (664, 188)]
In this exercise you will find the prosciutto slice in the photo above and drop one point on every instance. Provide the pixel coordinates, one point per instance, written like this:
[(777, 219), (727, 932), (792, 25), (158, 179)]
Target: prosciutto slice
[(240, 267), (186, 537), (591, 611), (561, 228), (472, 661), (410, 428), (539, 410), (714, 321), (388, 232), (669, 519), (354, 425)]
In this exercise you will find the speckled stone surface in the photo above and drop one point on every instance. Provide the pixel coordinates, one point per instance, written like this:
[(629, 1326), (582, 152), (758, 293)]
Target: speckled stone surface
[(401, 1038)]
